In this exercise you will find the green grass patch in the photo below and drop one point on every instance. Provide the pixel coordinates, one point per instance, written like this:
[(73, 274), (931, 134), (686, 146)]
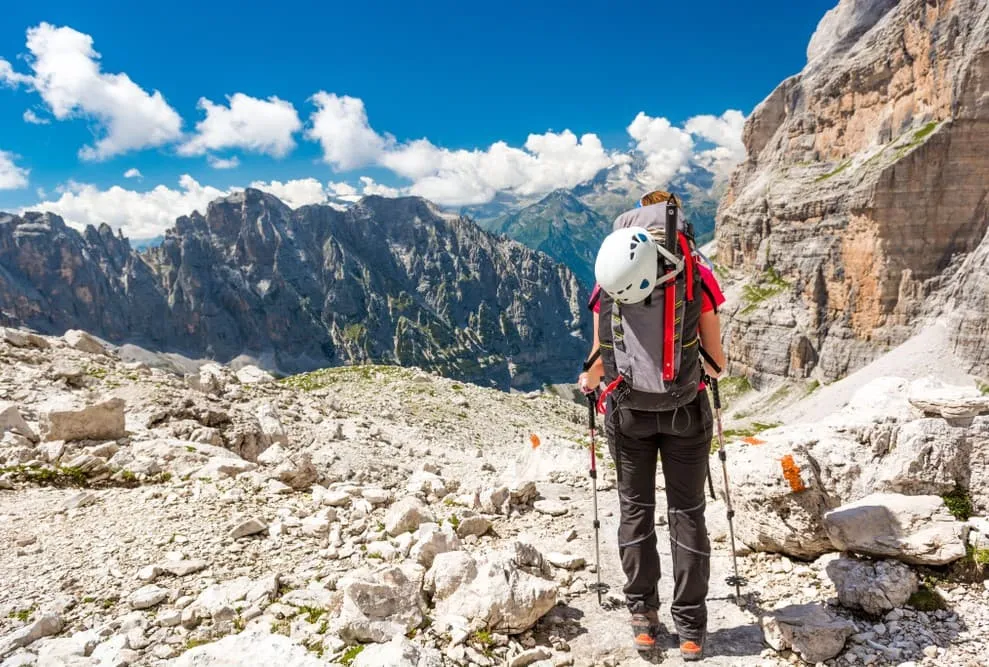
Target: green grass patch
[(959, 503), (58, 477), (926, 599), (984, 388), (351, 654), (813, 386), (732, 388), (837, 170), (485, 641), (769, 285), (193, 643), (312, 614), (96, 372), (454, 521), (22, 615)]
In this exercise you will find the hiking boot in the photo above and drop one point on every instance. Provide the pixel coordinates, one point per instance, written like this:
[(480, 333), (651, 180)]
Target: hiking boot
[(646, 629), (691, 650)]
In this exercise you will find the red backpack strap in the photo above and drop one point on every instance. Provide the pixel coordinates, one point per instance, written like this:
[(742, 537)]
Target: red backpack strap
[(688, 258)]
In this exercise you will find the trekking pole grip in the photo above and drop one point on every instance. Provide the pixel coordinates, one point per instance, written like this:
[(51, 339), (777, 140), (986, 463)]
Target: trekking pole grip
[(716, 393)]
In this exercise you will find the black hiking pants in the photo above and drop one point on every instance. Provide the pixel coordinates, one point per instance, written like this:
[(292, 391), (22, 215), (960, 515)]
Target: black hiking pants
[(682, 439)]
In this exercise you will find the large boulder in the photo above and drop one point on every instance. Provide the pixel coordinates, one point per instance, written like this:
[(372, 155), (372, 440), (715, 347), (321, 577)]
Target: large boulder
[(508, 592), (915, 529), (812, 631), (381, 603), (431, 540), (406, 515), (66, 418), (82, 341), (251, 647), (399, 652), (11, 420), (271, 423), (875, 587)]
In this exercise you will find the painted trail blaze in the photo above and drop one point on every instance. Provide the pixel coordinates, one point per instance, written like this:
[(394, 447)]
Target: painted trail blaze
[(791, 472), (534, 439)]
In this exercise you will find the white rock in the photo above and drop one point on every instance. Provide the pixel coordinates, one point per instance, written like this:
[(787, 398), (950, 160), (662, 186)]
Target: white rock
[(253, 375), (503, 595), (112, 652), (318, 598), (45, 626), (19, 338), (211, 379), (146, 597), (875, 587), (566, 561), (406, 515), (255, 646), (11, 420), (933, 397), (81, 499), (550, 507), (914, 529), (82, 341), (810, 630), (427, 483), (381, 603), (63, 650), (65, 418), (251, 526), (450, 570), (272, 456), (399, 652), (271, 423), (224, 467), (494, 500), (431, 540), (529, 656), (473, 525), (376, 496)]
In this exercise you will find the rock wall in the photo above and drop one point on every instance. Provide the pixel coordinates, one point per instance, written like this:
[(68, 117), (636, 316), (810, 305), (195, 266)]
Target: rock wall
[(865, 187)]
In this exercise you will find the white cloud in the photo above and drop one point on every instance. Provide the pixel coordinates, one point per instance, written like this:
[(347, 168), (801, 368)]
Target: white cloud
[(545, 162), (725, 132), (295, 193), (373, 188), (34, 119), (341, 127), (342, 190), (223, 163), (666, 148), (139, 214), (249, 123), (67, 76), (133, 172), (12, 177)]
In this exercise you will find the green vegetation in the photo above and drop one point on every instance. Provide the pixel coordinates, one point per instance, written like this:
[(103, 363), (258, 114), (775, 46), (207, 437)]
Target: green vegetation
[(733, 387), (281, 627), (837, 170), (454, 521), (312, 614), (354, 332), (96, 372), (22, 615), (813, 386), (917, 139), (959, 503), (984, 388), (128, 476), (342, 375), (59, 477), (351, 654), (979, 556), (194, 642), (926, 599), (743, 432), (769, 285), (485, 641)]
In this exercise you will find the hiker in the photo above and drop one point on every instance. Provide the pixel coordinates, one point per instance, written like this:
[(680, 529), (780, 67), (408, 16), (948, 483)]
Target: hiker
[(661, 408)]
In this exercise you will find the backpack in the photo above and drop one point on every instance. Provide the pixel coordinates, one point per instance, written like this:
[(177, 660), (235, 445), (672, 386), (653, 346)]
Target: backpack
[(651, 350)]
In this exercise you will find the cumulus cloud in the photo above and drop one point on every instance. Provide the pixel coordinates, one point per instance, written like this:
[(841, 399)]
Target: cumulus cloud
[(725, 133), (341, 127), (295, 193), (370, 187), (139, 215), (12, 177), (248, 123), (66, 74), (223, 163), (545, 162), (343, 190), (34, 119), (133, 172)]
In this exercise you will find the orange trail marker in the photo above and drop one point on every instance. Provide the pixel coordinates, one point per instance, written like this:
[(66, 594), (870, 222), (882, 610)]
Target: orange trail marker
[(753, 441), (534, 439), (791, 472)]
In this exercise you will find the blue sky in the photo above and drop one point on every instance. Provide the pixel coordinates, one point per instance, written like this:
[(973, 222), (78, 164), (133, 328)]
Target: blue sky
[(392, 73)]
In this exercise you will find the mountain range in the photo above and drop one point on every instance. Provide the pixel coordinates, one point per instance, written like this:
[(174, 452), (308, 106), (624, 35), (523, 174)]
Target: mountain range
[(387, 280)]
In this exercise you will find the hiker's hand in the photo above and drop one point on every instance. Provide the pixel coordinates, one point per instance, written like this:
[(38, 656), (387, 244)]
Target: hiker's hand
[(589, 381)]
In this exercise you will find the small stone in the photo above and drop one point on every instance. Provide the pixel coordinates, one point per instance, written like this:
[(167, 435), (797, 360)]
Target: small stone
[(550, 507), (147, 597), (530, 656), (170, 619), (930, 651), (81, 499), (566, 561), (473, 525), (250, 527)]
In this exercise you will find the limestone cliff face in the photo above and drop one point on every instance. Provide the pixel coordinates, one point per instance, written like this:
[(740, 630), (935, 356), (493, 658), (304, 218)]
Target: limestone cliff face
[(865, 187), (388, 280)]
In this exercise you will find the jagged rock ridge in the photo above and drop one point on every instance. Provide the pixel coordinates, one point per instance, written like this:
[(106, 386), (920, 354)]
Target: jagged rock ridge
[(390, 280), (866, 185)]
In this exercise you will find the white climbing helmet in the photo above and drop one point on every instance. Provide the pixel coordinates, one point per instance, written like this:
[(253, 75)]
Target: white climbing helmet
[(627, 264)]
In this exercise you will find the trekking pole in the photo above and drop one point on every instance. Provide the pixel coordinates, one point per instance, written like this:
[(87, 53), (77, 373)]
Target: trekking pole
[(601, 588), (734, 580)]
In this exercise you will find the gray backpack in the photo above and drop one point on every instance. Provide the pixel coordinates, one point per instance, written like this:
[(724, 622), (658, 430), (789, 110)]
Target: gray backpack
[(650, 349)]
